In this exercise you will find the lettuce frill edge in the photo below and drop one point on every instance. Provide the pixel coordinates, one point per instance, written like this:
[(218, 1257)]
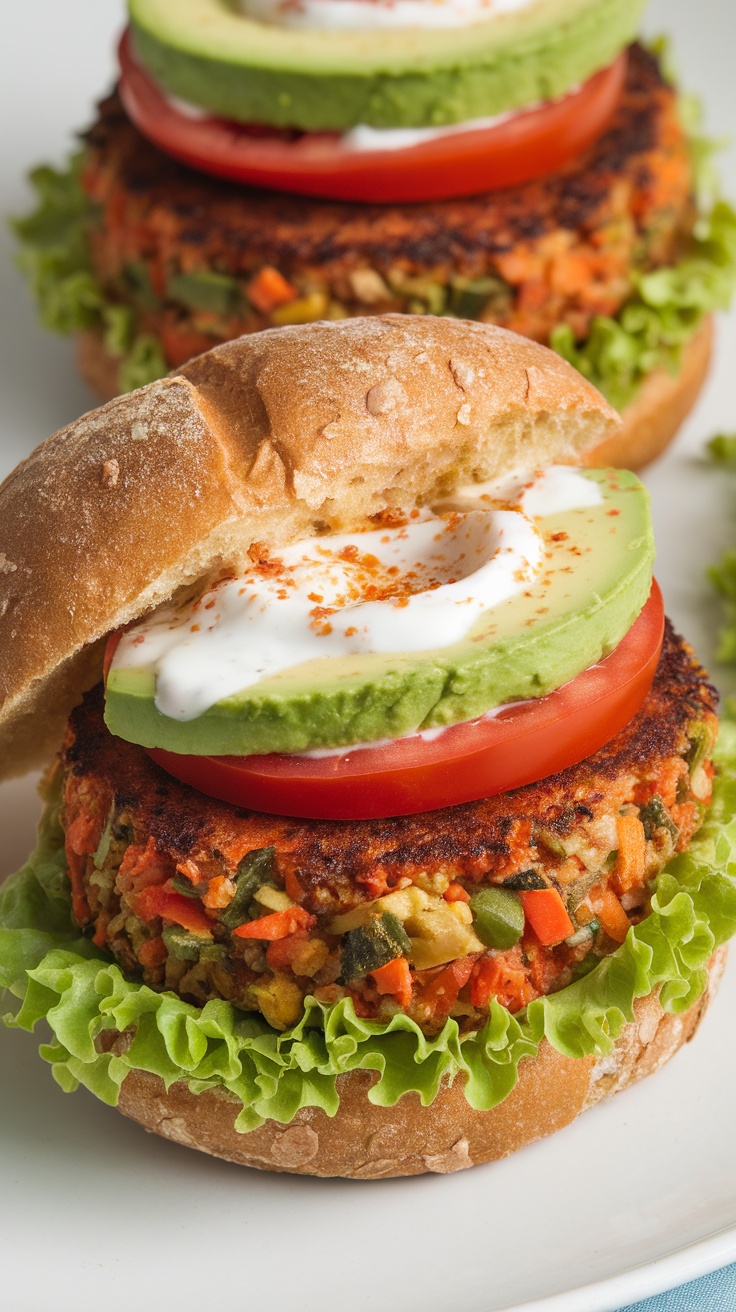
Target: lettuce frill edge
[(59, 977)]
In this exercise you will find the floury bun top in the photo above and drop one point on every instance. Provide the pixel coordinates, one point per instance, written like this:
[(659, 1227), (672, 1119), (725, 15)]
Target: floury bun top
[(272, 438)]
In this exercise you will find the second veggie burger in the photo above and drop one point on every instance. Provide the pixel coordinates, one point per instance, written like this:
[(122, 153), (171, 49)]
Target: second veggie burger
[(275, 162), (384, 835)]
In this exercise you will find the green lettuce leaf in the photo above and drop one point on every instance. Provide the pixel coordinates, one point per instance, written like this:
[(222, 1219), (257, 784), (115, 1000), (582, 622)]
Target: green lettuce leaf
[(62, 979), (666, 309), (667, 305), (54, 256), (55, 250)]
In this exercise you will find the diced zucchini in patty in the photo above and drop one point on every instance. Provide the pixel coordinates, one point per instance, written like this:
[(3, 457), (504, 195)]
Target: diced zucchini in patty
[(255, 869), (373, 945), (498, 917)]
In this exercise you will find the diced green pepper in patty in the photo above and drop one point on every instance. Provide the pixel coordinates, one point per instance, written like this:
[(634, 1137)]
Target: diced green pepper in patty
[(206, 290), (498, 917), (186, 887), (655, 816), (524, 881), (256, 869), (182, 944)]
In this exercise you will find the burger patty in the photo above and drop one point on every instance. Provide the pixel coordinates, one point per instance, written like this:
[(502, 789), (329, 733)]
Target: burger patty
[(158, 871), (188, 251)]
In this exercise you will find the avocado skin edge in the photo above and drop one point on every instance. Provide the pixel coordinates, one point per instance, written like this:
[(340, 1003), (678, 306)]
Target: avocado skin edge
[(474, 78)]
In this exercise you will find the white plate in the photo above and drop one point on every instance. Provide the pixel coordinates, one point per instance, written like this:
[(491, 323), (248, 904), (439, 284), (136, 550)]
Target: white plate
[(636, 1196)]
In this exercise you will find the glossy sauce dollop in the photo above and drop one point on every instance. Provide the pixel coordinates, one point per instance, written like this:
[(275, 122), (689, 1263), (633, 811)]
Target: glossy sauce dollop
[(365, 15), (413, 588)]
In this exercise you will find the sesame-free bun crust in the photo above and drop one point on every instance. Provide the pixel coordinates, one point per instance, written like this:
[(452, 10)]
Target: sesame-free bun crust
[(649, 423), (366, 1142), (266, 439)]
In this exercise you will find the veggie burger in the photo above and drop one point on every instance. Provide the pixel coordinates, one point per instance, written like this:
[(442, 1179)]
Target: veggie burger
[(376, 842), (275, 162)]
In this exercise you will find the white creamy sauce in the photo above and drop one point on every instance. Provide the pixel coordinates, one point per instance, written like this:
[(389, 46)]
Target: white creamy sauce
[(423, 735), (185, 107), (365, 15), (363, 137), (386, 591), (552, 491)]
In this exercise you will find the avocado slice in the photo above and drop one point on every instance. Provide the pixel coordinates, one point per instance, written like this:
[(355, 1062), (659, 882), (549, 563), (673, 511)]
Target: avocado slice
[(596, 581), (206, 52)]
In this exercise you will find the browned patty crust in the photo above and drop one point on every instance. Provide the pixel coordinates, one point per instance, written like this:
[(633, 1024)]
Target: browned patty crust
[(572, 831), (339, 863), (560, 249)]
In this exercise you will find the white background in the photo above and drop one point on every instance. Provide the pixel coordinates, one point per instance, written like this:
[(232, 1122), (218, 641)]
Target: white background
[(95, 1214)]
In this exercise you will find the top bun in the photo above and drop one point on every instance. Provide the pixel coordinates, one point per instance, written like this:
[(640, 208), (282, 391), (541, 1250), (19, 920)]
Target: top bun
[(273, 437)]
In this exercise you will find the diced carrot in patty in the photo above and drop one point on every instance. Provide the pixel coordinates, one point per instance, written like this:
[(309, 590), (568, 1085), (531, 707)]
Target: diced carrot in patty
[(632, 854), (547, 915), (504, 978), (278, 925), (395, 979), (456, 893), (152, 953), (158, 900), (270, 289), (609, 911)]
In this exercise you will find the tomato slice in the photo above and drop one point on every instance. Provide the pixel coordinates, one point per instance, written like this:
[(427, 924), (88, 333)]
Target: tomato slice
[(479, 758), (527, 145)]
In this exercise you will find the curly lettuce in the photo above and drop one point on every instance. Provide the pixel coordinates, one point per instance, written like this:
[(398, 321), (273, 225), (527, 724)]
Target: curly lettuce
[(668, 305), (55, 258), (664, 312), (59, 977)]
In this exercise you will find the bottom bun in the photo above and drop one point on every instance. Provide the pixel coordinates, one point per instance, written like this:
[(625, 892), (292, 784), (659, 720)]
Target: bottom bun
[(365, 1142), (662, 405), (649, 423)]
